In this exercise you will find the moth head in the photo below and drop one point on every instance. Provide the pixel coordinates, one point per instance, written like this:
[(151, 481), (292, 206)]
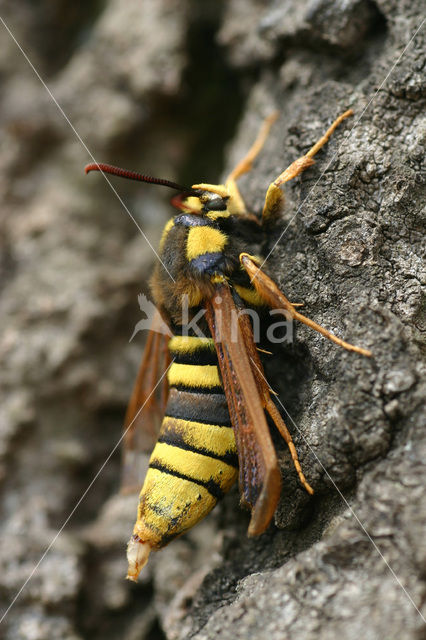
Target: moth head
[(205, 199)]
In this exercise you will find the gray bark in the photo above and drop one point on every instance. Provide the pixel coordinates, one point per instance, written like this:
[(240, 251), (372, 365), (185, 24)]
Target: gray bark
[(179, 91)]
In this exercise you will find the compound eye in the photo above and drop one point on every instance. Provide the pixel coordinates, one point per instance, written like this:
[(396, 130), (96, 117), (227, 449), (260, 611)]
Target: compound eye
[(213, 202)]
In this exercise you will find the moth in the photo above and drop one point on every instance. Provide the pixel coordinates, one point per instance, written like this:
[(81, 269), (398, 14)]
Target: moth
[(209, 389)]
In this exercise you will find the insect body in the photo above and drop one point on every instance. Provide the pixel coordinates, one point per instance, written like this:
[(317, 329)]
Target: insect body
[(194, 462), (216, 396)]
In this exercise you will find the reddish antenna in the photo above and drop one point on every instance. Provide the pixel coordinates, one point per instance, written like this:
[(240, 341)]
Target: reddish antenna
[(133, 175)]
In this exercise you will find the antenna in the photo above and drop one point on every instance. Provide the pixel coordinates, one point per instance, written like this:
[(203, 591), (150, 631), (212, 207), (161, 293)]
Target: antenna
[(133, 175)]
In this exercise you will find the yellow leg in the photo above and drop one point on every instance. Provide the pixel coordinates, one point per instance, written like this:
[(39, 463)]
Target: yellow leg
[(281, 426), (274, 195), (246, 163), (275, 298)]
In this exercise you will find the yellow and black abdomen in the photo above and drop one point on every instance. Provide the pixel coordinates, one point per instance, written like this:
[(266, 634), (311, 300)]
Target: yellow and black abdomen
[(194, 462)]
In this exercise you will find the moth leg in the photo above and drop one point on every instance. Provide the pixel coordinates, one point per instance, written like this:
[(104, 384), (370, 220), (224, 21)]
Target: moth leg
[(269, 291), (274, 196), (281, 426), (246, 163), (270, 407)]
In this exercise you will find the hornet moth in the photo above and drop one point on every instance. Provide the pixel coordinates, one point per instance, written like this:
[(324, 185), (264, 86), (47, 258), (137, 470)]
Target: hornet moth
[(214, 399)]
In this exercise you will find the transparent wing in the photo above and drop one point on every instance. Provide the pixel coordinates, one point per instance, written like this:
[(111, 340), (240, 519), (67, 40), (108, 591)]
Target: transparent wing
[(146, 407)]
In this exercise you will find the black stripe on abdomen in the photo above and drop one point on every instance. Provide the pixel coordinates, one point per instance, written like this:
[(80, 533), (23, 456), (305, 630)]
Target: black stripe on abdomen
[(176, 440), (208, 408), (199, 357), (211, 486)]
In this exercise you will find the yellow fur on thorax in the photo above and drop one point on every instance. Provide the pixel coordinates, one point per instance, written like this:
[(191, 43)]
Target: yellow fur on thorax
[(204, 239), (165, 233)]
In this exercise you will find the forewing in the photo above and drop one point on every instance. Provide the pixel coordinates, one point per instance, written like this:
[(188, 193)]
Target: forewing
[(146, 406), (259, 475)]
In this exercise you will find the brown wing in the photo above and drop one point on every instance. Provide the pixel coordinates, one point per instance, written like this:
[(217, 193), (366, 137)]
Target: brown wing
[(259, 476), (146, 406)]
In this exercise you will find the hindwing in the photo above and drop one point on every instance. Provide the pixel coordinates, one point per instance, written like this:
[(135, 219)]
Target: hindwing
[(146, 406)]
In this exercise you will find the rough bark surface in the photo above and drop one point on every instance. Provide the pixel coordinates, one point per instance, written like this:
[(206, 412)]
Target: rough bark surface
[(164, 86)]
